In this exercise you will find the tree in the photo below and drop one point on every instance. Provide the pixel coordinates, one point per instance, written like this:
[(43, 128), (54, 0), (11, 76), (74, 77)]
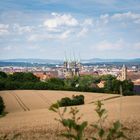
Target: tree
[(40, 85), (3, 75), (113, 86), (108, 86), (2, 85), (96, 79), (23, 77), (12, 85), (116, 86), (127, 87), (55, 83), (85, 81), (107, 77)]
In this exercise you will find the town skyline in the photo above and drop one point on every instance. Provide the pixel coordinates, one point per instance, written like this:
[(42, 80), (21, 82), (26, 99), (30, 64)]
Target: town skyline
[(107, 29)]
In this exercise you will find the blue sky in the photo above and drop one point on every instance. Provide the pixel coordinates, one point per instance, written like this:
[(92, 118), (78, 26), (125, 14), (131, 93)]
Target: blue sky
[(53, 28)]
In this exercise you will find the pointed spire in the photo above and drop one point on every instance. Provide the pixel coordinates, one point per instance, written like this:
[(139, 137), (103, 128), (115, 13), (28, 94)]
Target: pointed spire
[(79, 57), (66, 56)]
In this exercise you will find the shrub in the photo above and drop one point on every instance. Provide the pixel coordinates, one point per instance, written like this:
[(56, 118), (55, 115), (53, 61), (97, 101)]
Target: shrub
[(2, 106), (76, 100)]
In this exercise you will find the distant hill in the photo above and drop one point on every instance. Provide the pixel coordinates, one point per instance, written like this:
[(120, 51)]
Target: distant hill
[(32, 60), (99, 60), (35, 62)]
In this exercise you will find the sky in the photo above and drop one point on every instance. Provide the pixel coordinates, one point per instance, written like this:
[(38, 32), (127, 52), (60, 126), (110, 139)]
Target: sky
[(59, 29)]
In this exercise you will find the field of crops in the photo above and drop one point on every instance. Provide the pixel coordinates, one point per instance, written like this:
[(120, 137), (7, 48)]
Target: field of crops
[(17, 101), (28, 110)]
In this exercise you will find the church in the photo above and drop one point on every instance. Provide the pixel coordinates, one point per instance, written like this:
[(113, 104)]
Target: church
[(123, 75)]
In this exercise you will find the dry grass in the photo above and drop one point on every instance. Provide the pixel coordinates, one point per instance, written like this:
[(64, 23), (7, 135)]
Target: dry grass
[(29, 117)]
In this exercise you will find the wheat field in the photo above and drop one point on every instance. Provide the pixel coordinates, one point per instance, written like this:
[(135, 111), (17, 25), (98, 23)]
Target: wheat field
[(28, 116)]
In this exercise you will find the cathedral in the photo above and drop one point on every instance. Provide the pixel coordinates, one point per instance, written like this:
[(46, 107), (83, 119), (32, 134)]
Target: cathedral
[(71, 69)]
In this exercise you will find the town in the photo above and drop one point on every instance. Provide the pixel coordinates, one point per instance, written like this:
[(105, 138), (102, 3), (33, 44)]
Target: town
[(72, 68)]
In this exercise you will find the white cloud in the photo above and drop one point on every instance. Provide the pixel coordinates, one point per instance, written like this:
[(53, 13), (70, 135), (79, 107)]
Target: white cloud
[(64, 35), (104, 19), (83, 32), (120, 17), (128, 16), (109, 46), (59, 20), (88, 22), (137, 46), (46, 36), (7, 48), (34, 47), (137, 21), (4, 29), (4, 26), (37, 37), (22, 29), (10, 48)]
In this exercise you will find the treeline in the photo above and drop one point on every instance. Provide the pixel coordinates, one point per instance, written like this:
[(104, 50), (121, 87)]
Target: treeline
[(20, 80)]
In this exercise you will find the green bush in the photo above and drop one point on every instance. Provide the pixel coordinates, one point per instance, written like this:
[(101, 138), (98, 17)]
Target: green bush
[(76, 100), (2, 106)]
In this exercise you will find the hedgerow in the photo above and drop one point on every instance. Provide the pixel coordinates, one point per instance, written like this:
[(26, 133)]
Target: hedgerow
[(76, 100)]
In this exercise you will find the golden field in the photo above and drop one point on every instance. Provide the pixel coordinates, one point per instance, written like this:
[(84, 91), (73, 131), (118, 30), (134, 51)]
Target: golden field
[(28, 116)]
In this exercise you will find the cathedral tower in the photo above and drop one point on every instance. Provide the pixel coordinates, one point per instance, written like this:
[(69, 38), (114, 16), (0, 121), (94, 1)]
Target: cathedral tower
[(124, 73)]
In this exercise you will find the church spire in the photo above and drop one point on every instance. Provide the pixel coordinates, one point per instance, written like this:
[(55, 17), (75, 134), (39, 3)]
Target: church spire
[(124, 73)]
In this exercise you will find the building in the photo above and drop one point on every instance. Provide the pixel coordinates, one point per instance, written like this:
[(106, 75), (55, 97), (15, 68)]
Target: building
[(123, 75), (71, 69)]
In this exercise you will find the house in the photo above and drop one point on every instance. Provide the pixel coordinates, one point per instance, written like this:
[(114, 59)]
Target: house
[(101, 84)]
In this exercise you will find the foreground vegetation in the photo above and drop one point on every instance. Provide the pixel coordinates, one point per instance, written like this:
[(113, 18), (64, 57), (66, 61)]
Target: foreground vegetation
[(20, 80), (75, 130), (2, 106), (39, 123)]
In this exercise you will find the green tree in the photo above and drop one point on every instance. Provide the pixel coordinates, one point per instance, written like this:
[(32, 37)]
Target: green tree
[(12, 85), (85, 81), (127, 87), (107, 77), (2, 85), (40, 85), (108, 86), (23, 77), (55, 83), (3, 75)]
